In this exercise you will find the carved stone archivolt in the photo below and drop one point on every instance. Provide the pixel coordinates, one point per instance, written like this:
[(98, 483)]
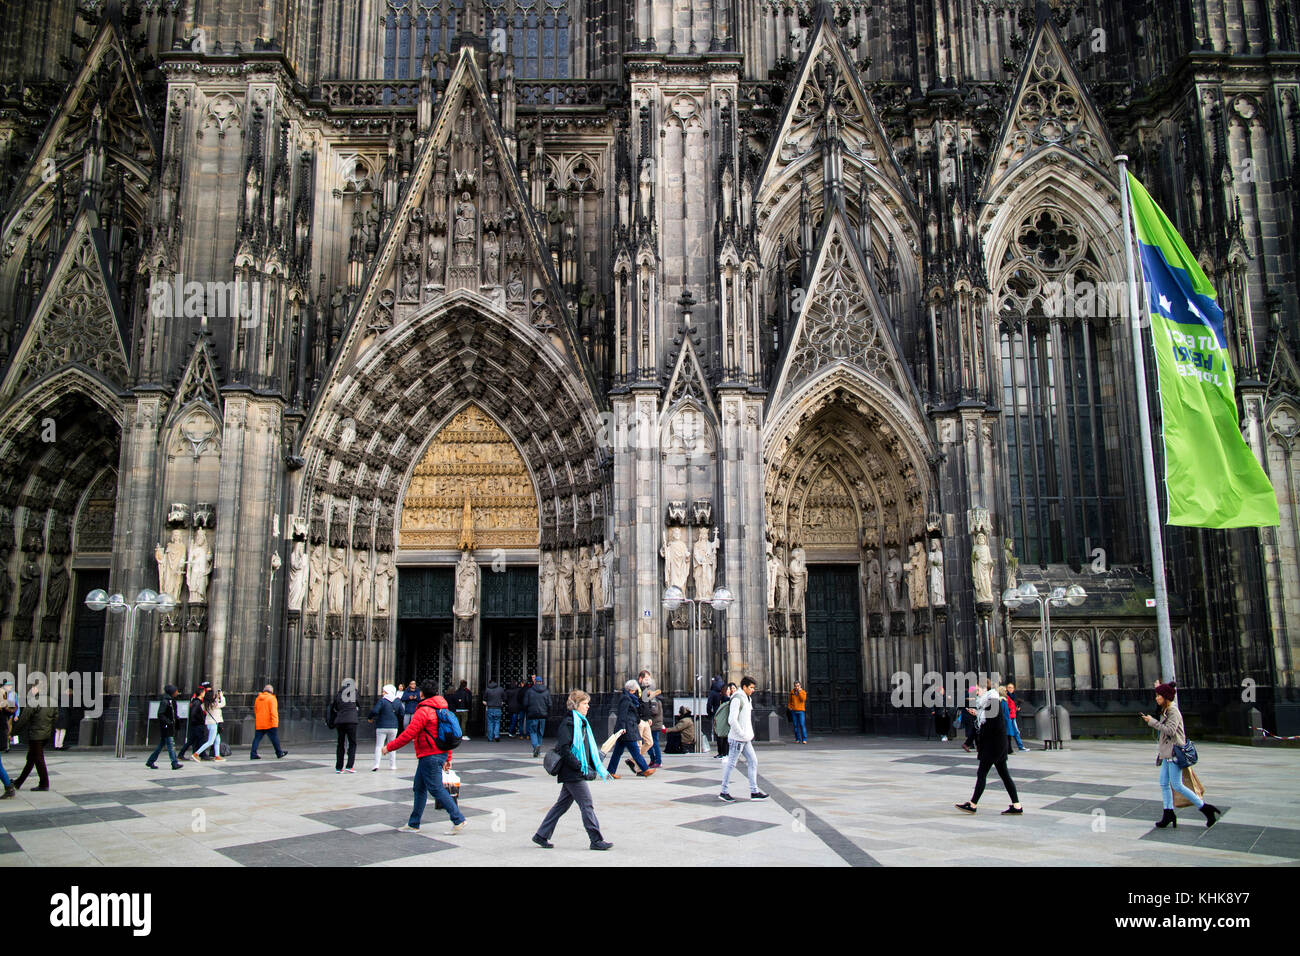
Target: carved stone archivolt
[(472, 455)]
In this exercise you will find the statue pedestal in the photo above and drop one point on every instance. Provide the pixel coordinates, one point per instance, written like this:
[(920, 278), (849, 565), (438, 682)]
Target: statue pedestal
[(920, 622), (877, 626), (897, 624)]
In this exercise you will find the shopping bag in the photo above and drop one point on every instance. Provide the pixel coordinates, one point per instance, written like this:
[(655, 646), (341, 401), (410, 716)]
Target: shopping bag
[(1192, 783), (451, 781), (609, 743)]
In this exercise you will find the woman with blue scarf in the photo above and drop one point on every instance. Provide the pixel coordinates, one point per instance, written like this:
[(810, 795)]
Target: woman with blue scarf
[(580, 762)]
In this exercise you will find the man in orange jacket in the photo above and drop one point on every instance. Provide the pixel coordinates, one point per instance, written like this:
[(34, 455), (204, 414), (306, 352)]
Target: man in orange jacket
[(266, 717), (423, 729), (798, 703)]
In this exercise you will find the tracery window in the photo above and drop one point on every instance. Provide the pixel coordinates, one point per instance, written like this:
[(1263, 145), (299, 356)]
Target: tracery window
[(536, 33), (1065, 451)]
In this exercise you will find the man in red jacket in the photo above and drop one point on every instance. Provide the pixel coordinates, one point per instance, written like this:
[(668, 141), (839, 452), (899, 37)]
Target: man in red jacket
[(423, 729)]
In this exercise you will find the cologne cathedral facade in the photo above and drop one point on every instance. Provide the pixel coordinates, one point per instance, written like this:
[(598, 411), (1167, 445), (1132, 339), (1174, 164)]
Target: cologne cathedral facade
[(437, 339)]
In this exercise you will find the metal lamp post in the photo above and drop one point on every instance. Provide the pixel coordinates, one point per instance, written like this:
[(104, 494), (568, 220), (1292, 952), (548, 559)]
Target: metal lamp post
[(1027, 593), (145, 600), (721, 600)]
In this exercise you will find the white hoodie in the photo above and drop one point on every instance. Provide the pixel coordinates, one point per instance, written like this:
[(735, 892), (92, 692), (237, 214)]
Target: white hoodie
[(740, 718)]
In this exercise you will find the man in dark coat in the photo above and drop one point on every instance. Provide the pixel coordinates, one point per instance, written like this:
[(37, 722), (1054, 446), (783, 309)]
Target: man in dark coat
[(196, 733), (167, 721), (493, 699), (629, 706), (711, 705), (35, 724), (461, 701), (343, 718), (515, 708), (537, 704)]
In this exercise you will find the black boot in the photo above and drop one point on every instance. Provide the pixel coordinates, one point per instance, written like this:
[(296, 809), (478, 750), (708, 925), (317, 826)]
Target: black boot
[(1167, 819), (1212, 813)]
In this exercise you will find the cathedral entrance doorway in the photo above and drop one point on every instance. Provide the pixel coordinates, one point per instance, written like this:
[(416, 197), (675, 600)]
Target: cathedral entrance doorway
[(834, 628)]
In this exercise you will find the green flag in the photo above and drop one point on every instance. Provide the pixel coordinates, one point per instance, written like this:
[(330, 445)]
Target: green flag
[(1212, 478)]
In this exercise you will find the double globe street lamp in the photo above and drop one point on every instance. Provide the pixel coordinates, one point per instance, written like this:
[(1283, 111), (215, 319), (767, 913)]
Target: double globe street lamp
[(1028, 593), (721, 600), (146, 600)]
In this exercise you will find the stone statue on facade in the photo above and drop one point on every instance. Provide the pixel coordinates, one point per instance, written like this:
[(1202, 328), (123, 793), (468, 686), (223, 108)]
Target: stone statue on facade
[(981, 566), (597, 576), (893, 578), (337, 580), (677, 559), (385, 572), (607, 576), (29, 594), (564, 583), (171, 564), (873, 580), (1013, 563), (798, 580), (776, 579), (316, 580), (548, 584), (361, 585), (937, 596), (705, 554), (297, 575), (582, 580), (917, 588), (467, 586), (199, 567)]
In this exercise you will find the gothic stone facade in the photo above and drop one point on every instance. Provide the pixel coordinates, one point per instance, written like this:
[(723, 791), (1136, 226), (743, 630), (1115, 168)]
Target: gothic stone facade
[(444, 335)]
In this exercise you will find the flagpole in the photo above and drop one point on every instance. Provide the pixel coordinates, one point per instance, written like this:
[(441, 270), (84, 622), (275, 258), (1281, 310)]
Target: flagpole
[(1136, 321)]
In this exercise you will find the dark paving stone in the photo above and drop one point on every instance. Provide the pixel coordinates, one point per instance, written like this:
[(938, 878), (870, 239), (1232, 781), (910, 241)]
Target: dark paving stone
[(57, 819), (715, 784), (701, 799), (8, 844), (492, 763), (1276, 841), (937, 758), (155, 795), (695, 766), (265, 765), (728, 826), (1113, 806), (335, 848), (1180, 837), (394, 816), (474, 777), (844, 848), (969, 769), (235, 779), (1223, 836), (470, 793)]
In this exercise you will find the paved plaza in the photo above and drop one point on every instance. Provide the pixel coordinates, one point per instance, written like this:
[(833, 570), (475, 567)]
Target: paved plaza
[(835, 802)]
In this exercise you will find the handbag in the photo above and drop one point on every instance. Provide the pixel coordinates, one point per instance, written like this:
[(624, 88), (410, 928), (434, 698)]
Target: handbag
[(451, 782), (1192, 783), (1185, 755), (552, 762)]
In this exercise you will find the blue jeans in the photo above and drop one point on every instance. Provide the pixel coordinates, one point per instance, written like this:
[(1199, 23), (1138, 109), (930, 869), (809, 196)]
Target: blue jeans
[(800, 725), (4, 777), (494, 723), (1014, 734), (740, 749), (1171, 779), (516, 722), (428, 780), (171, 751), (630, 744), (273, 734), (536, 727), (656, 755)]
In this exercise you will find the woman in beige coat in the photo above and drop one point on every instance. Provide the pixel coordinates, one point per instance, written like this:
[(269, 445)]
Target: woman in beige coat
[(1169, 726)]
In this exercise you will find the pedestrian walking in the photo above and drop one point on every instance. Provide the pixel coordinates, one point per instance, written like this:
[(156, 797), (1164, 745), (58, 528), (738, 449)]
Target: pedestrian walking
[(629, 719), (992, 744), (720, 724), (653, 724), (461, 701), (711, 706), (515, 709), (6, 717), (266, 722), (432, 758), (214, 701), (410, 700), (493, 700), (942, 717), (579, 763), (35, 724), (195, 729), (63, 720), (969, 718), (537, 704), (740, 737), (344, 715), (1172, 733), (1013, 728), (386, 716), (681, 735), (167, 721), (797, 702)]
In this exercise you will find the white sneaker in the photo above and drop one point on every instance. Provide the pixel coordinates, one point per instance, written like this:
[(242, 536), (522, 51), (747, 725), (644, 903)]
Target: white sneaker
[(943, 739), (457, 828), (408, 829)]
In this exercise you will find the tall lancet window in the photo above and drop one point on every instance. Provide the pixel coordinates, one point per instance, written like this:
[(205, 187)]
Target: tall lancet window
[(536, 33), (1060, 377)]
